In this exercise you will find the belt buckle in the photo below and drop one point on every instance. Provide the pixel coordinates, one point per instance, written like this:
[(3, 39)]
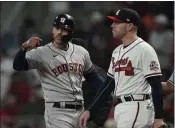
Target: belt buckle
[(62, 104), (75, 105), (139, 99)]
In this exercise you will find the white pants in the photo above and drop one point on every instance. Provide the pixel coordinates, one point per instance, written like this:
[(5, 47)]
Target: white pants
[(61, 117), (134, 114)]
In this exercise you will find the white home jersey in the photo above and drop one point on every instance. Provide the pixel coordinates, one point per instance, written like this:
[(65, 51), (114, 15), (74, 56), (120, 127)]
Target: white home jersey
[(131, 66), (60, 71)]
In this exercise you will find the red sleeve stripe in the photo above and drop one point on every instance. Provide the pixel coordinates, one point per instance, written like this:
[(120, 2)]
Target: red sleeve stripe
[(153, 74), (109, 74)]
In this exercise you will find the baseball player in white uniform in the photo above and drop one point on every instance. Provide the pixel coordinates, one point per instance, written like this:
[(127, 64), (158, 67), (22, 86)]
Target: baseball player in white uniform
[(61, 66), (134, 73)]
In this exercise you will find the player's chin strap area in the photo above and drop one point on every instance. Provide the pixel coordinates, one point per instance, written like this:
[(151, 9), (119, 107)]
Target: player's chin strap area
[(128, 98)]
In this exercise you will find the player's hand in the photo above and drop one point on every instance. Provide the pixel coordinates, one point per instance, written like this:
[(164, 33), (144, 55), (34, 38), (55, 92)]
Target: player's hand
[(31, 43), (84, 118), (158, 123)]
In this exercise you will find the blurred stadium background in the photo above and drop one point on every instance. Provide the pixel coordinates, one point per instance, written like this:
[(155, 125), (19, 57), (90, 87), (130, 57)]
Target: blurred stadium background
[(22, 105)]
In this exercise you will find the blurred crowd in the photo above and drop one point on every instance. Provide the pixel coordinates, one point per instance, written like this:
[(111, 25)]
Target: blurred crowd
[(22, 104)]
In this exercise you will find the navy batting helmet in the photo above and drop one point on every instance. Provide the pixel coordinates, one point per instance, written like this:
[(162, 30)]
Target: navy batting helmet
[(65, 22)]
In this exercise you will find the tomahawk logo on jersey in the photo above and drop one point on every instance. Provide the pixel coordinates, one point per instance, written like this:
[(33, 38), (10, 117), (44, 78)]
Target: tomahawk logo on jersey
[(123, 65)]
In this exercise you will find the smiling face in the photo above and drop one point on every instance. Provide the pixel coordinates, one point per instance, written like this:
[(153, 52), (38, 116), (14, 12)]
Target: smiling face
[(57, 33)]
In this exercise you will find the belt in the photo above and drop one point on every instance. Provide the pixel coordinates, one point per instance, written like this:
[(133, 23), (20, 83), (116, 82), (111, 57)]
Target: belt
[(67, 105), (128, 98)]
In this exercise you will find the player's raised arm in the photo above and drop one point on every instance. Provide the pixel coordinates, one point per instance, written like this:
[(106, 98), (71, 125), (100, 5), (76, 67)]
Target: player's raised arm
[(29, 60)]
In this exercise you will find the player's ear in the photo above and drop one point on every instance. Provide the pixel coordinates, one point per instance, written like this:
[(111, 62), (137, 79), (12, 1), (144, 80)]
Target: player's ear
[(130, 27)]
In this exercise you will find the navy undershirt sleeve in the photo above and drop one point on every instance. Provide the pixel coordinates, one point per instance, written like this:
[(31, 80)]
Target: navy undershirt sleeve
[(20, 62)]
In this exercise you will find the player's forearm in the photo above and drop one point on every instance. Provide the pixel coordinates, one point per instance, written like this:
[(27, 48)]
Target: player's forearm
[(157, 95), (20, 62), (103, 94)]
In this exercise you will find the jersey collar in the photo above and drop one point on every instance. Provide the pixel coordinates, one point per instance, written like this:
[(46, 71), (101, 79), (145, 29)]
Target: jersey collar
[(132, 44), (69, 50)]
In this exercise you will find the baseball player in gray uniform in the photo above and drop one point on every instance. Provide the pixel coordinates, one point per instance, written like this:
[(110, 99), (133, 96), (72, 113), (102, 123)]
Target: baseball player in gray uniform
[(61, 66), (168, 87), (171, 80)]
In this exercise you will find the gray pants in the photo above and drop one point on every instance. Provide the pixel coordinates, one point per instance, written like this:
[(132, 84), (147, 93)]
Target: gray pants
[(61, 117)]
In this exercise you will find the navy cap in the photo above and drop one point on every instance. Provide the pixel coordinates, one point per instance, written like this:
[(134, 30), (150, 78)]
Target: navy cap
[(126, 15)]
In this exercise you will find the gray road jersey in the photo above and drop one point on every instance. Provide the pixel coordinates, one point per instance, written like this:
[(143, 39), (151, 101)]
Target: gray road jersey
[(171, 79), (60, 71)]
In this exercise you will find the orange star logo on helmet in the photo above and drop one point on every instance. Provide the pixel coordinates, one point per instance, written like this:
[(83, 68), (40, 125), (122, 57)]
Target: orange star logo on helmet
[(62, 20)]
